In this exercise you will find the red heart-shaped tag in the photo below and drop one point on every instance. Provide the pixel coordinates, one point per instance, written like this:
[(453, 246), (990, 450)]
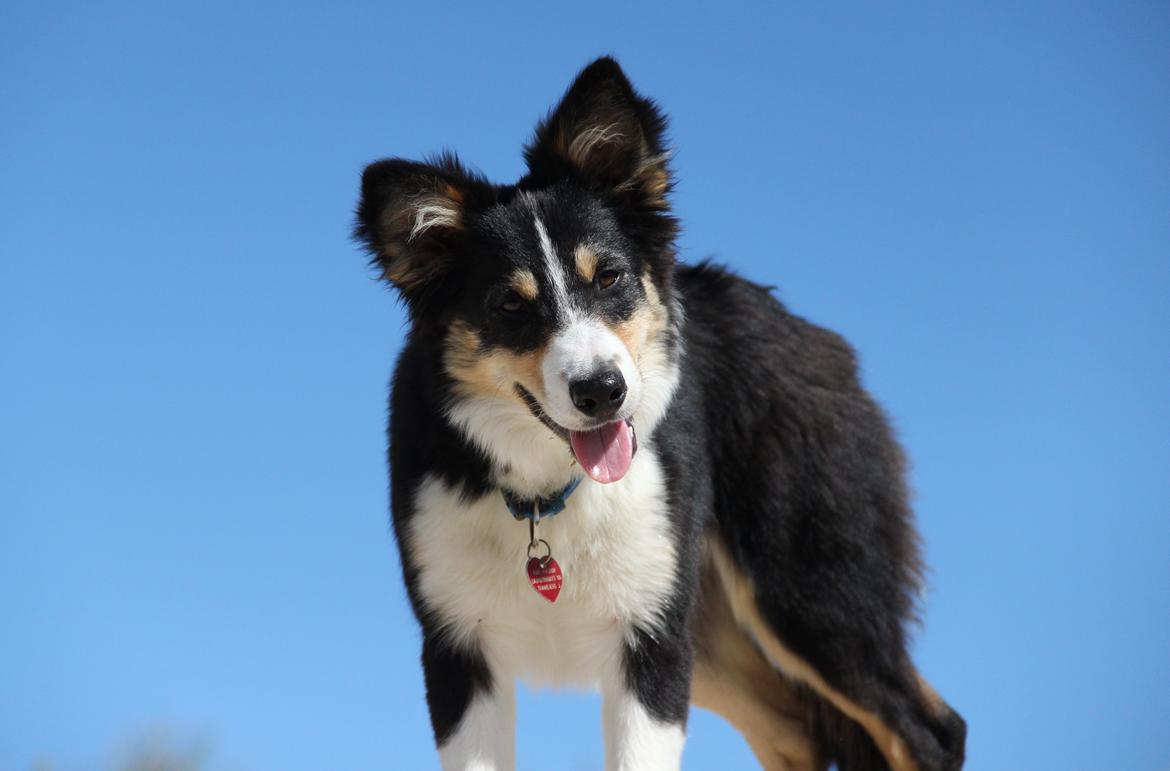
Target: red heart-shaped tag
[(546, 577)]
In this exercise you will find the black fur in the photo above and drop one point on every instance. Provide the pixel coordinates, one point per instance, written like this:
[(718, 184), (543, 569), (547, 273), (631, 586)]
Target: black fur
[(819, 519), (770, 440), (453, 676)]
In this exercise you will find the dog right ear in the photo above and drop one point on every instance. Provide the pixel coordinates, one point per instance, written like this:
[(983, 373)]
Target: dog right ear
[(411, 217), (604, 132)]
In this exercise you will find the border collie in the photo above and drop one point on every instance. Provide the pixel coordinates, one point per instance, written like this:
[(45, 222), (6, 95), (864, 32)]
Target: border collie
[(614, 470)]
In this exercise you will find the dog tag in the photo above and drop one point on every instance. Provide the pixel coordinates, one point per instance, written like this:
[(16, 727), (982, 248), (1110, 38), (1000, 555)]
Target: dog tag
[(546, 577)]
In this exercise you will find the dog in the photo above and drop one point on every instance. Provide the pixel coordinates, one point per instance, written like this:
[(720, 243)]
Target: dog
[(614, 470)]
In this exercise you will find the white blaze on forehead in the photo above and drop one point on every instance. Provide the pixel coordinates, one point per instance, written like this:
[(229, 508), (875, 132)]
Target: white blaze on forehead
[(582, 348), (553, 267)]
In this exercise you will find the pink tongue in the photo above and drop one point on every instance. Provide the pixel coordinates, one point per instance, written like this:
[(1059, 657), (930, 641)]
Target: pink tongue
[(605, 453)]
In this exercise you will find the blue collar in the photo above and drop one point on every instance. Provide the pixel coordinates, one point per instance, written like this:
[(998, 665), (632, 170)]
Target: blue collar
[(539, 508)]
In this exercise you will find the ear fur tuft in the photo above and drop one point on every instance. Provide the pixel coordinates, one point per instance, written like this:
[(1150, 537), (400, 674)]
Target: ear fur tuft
[(604, 132), (411, 215)]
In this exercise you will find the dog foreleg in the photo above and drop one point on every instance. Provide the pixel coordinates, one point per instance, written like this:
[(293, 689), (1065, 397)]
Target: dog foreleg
[(485, 738)]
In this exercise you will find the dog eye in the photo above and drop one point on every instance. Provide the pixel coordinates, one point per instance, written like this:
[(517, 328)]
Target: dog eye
[(512, 303), (607, 278)]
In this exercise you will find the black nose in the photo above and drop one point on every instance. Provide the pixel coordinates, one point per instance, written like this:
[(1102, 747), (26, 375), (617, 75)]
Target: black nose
[(600, 395)]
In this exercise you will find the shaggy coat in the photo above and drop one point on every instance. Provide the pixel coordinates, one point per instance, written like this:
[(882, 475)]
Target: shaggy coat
[(739, 537)]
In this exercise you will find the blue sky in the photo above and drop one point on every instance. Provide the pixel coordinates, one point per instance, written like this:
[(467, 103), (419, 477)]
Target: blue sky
[(193, 358)]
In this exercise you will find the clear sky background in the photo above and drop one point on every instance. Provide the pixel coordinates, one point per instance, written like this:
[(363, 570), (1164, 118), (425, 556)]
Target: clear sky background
[(194, 536)]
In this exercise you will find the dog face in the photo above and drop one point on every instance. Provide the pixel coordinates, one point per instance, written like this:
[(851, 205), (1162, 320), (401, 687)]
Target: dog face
[(552, 294)]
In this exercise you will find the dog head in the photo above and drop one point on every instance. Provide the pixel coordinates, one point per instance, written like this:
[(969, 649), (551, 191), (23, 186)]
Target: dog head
[(550, 299)]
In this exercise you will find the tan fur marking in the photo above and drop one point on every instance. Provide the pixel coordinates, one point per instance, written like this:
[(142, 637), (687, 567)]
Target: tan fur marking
[(405, 270), (524, 284), (779, 743), (733, 679), (586, 260), (453, 193), (490, 372), (653, 179), (656, 183), (741, 596), (408, 263), (650, 176), (646, 323), (933, 701)]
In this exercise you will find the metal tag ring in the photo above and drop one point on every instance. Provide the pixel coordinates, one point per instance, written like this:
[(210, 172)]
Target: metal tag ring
[(548, 550)]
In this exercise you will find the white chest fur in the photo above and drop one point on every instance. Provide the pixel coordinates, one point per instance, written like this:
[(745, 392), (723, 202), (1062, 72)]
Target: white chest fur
[(612, 542)]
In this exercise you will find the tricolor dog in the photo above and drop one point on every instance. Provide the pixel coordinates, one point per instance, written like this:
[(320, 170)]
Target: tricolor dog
[(614, 470)]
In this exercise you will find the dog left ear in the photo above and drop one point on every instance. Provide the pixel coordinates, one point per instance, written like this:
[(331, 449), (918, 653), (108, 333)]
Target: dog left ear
[(411, 218), (604, 132)]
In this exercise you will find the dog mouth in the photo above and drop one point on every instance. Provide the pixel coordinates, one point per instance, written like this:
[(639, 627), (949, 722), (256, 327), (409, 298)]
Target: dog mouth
[(605, 453)]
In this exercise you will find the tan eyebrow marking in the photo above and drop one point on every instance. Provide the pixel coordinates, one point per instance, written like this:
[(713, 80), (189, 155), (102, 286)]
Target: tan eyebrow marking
[(524, 284), (586, 263)]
